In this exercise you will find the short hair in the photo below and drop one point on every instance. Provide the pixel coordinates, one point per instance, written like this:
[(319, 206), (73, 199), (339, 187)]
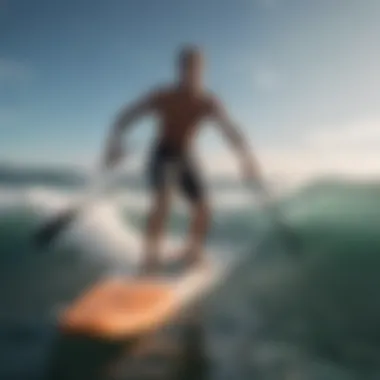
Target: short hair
[(188, 53)]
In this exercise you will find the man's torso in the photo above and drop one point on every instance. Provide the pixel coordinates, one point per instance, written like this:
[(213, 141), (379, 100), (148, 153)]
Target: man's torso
[(180, 114)]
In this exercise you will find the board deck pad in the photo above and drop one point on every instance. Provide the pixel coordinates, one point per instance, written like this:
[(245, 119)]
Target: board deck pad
[(130, 307)]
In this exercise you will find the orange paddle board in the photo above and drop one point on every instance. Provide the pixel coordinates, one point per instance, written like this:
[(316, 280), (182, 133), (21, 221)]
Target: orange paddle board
[(130, 307)]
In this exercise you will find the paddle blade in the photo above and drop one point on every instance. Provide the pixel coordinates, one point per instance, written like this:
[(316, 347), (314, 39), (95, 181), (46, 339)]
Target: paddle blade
[(54, 227)]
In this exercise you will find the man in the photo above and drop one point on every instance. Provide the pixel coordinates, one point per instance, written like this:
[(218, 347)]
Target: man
[(180, 109)]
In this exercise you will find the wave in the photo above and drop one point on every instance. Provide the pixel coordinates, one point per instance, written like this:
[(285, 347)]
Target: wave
[(319, 314)]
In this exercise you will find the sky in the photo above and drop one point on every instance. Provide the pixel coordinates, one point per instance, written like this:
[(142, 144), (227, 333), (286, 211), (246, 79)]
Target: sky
[(300, 77)]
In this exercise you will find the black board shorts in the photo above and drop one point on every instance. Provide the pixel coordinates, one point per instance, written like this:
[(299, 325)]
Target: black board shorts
[(168, 166)]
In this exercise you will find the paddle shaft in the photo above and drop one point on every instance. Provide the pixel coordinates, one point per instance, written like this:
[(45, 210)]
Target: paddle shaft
[(289, 236)]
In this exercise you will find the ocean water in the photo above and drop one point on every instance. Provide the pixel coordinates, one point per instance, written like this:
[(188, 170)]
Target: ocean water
[(283, 316)]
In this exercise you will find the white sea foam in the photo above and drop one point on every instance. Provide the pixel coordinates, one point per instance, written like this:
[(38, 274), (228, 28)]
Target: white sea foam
[(102, 229)]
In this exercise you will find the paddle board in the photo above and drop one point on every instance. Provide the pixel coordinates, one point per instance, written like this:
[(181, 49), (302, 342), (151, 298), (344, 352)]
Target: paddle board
[(119, 307)]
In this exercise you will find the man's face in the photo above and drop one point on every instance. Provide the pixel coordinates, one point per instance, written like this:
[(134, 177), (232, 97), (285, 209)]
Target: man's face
[(192, 72)]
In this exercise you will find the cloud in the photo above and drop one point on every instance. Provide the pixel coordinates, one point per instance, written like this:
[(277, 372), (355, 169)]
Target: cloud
[(300, 165), (351, 150), (355, 136)]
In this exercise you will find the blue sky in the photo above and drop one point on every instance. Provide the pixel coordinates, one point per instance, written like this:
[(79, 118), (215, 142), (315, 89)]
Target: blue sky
[(300, 76)]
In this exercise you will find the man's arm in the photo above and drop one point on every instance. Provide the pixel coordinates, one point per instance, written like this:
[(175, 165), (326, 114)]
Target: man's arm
[(126, 117), (236, 139)]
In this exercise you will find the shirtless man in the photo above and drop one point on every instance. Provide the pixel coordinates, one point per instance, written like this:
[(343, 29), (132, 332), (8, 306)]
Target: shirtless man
[(180, 109)]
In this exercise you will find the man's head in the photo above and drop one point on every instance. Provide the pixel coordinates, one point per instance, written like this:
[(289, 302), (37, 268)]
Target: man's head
[(190, 65)]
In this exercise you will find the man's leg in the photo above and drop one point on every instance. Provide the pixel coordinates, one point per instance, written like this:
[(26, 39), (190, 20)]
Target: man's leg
[(158, 211), (193, 189), (154, 231), (200, 220)]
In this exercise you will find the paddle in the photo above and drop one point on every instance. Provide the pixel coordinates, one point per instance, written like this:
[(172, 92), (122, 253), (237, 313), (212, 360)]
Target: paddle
[(51, 229), (289, 236)]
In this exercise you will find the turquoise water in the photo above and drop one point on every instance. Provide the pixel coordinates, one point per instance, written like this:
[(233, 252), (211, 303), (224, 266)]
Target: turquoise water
[(282, 317)]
